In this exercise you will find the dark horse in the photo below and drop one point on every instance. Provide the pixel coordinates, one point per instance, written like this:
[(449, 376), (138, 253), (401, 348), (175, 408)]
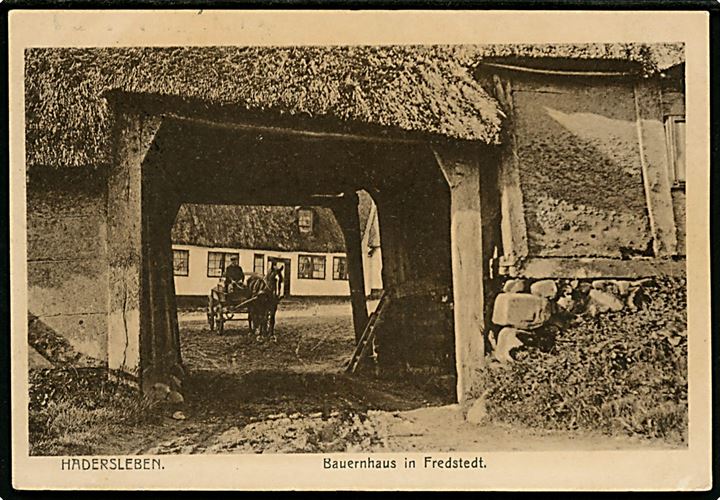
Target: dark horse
[(261, 311)]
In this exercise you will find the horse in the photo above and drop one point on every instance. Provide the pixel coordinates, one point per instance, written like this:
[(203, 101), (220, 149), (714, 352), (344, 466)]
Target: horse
[(261, 311)]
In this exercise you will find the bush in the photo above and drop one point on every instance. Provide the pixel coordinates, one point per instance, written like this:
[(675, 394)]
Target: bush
[(619, 373)]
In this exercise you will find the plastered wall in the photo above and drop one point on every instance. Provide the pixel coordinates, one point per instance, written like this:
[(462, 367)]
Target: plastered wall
[(580, 167), (67, 259)]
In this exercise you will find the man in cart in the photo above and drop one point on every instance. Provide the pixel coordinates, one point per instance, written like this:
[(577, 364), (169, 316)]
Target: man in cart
[(234, 275)]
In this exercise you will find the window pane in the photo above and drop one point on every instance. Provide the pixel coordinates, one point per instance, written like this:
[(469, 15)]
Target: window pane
[(319, 267), (680, 150), (304, 267), (215, 264), (305, 221), (339, 268), (259, 264), (180, 262)]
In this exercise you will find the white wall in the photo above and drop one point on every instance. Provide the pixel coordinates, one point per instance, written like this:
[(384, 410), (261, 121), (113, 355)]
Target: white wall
[(372, 266), (198, 283)]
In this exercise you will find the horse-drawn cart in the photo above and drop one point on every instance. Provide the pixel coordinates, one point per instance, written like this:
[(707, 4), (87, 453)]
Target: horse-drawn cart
[(228, 306), (256, 304)]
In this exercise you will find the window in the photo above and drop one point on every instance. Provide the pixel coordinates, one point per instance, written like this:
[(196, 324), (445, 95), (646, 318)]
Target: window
[(259, 263), (311, 267), (340, 268), (675, 135), (305, 220), (180, 262), (217, 262)]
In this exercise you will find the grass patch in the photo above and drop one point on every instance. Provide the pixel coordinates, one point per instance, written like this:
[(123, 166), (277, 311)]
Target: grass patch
[(73, 412), (619, 373)]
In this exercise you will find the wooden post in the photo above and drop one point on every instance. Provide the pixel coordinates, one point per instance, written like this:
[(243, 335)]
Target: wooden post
[(461, 169), (346, 213), (653, 159), (134, 135)]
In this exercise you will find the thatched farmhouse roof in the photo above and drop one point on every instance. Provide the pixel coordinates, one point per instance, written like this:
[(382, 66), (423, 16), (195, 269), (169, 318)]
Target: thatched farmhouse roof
[(651, 58), (256, 227), (424, 89)]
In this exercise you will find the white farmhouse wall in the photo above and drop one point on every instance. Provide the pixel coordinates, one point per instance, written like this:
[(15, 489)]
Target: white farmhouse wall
[(372, 266), (197, 281)]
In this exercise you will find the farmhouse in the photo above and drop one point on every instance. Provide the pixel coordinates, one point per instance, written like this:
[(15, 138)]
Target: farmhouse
[(536, 163), (306, 242)]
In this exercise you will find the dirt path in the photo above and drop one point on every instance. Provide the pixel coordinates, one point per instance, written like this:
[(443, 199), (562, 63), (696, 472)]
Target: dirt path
[(292, 396)]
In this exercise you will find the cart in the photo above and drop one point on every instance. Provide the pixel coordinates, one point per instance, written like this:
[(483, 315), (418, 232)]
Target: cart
[(228, 306)]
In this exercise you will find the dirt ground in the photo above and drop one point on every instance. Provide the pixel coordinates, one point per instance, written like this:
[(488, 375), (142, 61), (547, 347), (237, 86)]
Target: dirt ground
[(245, 396)]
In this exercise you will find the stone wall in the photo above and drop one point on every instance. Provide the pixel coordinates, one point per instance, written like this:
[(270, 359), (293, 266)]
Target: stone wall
[(533, 312), (67, 260)]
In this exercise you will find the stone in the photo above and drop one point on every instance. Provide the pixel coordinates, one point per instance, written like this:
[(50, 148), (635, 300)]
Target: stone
[(178, 415), (623, 287), (477, 414), (521, 310), (584, 288), (544, 288), (566, 303), (604, 302), (175, 397), (515, 286), (601, 284), (160, 391), (507, 340)]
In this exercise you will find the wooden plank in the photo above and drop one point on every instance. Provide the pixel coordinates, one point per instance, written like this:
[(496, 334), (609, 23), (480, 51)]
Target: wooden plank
[(577, 267), (461, 169), (653, 157)]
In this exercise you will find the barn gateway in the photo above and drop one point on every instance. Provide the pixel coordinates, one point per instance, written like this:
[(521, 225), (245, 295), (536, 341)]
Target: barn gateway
[(500, 174)]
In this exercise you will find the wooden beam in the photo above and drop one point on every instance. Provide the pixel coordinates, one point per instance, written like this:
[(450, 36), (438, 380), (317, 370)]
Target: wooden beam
[(299, 133), (653, 159), (346, 213), (513, 228), (592, 267), (461, 169), (134, 135)]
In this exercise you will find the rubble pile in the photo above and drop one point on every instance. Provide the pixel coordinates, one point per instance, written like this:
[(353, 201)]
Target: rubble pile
[(594, 354), (296, 433)]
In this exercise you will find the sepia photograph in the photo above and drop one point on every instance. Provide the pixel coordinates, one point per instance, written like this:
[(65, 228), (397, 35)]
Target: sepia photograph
[(354, 251)]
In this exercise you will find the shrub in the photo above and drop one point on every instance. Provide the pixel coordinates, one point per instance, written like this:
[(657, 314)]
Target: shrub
[(619, 373)]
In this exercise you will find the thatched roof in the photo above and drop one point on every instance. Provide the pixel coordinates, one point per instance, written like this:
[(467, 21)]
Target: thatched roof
[(422, 89), (651, 58), (256, 227)]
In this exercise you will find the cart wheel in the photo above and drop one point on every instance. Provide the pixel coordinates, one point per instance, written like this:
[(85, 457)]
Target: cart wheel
[(211, 313)]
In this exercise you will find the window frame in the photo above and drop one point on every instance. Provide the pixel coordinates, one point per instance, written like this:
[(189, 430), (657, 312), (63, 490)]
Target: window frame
[(671, 146), (310, 215), (187, 261), (336, 259), (223, 261), (261, 256), (312, 259)]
